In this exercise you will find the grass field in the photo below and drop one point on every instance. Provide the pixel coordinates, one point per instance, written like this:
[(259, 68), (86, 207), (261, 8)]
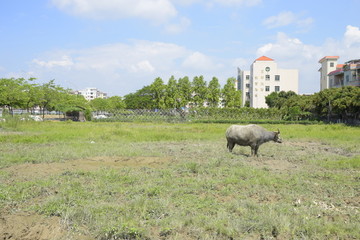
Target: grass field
[(68, 180)]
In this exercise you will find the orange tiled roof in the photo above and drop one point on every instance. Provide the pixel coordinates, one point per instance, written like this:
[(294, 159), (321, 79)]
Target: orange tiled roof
[(339, 66), (328, 57), (264, 58)]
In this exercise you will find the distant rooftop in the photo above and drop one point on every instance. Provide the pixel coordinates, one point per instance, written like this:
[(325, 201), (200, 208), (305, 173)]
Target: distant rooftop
[(328, 57), (264, 58)]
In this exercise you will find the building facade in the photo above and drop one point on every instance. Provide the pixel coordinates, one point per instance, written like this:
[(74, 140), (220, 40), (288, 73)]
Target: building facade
[(328, 64), (264, 78), (91, 93), (347, 74)]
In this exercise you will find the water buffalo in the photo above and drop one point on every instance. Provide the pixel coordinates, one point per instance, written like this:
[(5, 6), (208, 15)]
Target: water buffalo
[(250, 135)]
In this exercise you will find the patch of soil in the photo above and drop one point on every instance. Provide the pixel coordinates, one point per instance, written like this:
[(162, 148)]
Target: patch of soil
[(273, 164), (30, 226), (29, 171), (319, 147)]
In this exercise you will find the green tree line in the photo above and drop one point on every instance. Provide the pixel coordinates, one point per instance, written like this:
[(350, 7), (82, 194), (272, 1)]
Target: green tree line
[(339, 103), (183, 92), (343, 103), (26, 94)]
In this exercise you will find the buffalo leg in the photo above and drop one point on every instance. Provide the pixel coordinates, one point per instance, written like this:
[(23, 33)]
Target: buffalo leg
[(230, 146), (256, 151)]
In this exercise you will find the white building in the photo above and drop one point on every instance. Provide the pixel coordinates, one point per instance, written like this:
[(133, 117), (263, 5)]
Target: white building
[(328, 65), (347, 74), (91, 93), (264, 78)]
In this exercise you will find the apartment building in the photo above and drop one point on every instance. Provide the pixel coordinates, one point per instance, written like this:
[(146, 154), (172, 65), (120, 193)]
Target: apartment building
[(91, 93), (347, 74), (264, 78), (328, 64)]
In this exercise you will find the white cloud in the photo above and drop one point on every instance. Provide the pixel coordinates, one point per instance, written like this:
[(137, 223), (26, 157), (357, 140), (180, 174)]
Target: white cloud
[(158, 11), (199, 61), (64, 61), (293, 53), (178, 27), (238, 2), (352, 36), (143, 66), (282, 19), (123, 68), (220, 2), (288, 18)]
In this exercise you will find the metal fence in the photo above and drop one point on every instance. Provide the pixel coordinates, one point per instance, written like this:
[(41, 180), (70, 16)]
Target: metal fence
[(188, 115), (143, 115)]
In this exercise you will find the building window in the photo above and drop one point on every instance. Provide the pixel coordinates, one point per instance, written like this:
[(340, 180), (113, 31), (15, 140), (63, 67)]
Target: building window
[(331, 64), (267, 88), (247, 85), (277, 88), (267, 77), (247, 77), (277, 77)]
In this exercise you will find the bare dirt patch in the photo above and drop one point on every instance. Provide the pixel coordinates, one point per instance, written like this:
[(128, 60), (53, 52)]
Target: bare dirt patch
[(273, 164), (31, 226), (32, 171), (318, 147), (28, 226)]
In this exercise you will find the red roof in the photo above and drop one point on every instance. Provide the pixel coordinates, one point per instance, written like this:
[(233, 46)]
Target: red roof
[(336, 72), (264, 58)]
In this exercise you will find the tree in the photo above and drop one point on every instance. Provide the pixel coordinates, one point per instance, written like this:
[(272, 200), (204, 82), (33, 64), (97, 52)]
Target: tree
[(115, 103), (200, 91), (271, 99), (172, 94), (50, 96), (13, 93), (34, 96), (185, 91), (231, 96), (324, 100), (99, 104), (347, 102), (157, 89), (214, 92), (141, 99), (277, 99), (67, 102)]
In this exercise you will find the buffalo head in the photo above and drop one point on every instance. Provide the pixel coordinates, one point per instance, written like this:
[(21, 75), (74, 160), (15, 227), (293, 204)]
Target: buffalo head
[(277, 137)]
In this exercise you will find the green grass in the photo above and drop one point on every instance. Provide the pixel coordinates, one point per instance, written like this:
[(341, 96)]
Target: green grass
[(203, 192)]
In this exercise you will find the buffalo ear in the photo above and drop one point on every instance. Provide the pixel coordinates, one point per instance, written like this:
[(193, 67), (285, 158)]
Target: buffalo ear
[(278, 131)]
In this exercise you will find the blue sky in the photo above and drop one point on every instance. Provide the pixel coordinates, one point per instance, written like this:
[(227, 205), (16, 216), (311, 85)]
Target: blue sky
[(119, 46)]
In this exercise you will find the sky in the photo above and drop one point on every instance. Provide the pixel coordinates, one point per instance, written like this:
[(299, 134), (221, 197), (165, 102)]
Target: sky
[(120, 46)]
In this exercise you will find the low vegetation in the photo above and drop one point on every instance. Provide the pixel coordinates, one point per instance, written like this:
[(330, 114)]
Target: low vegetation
[(177, 181)]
